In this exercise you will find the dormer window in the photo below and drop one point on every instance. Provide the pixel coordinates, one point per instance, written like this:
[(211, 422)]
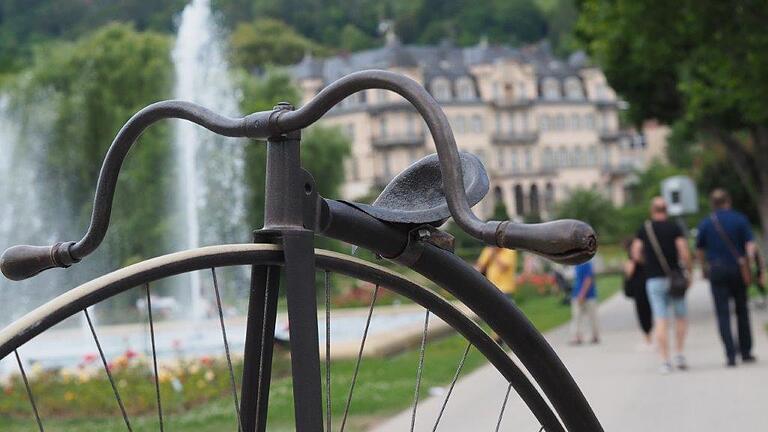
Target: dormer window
[(550, 88), (465, 88), (573, 90), (441, 89)]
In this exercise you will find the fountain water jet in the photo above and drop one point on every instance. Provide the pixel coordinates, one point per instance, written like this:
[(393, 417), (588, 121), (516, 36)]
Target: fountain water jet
[(210, 170)]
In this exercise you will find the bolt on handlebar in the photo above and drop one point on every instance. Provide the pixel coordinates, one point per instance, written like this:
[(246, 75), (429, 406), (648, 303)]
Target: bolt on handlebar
[(565, 241)]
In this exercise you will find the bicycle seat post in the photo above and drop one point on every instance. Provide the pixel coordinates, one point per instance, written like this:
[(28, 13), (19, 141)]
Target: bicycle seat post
[(289, 193)]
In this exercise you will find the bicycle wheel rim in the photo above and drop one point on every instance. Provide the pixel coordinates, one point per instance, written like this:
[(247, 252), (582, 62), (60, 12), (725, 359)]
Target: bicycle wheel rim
[(97, 290)]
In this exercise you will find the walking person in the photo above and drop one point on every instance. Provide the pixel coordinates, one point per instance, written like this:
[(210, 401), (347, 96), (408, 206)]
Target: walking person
[(584, 303), (724, 247), (662, 248), (499, 265), (634, 288)]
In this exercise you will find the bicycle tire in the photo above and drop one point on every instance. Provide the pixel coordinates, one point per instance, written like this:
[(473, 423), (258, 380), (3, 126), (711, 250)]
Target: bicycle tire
[(97, 290)]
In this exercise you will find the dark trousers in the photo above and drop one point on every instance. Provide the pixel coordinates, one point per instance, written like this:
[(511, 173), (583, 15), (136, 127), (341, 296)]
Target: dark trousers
[(727, 284), (643, 310)]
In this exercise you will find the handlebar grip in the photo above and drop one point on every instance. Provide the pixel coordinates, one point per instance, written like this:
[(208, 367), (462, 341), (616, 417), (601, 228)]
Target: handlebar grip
[(24, 261), (565, 241)]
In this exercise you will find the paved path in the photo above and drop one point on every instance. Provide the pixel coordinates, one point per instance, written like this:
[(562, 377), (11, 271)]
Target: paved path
[(623, 384)]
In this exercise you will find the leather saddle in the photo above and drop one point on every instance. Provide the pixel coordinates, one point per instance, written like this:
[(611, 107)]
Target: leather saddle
[(416, 196)]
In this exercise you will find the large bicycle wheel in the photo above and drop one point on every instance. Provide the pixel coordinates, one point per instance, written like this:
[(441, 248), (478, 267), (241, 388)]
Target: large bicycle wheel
[(33, 326)]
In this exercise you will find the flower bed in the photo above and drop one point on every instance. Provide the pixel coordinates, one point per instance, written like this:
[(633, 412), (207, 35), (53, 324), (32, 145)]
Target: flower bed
[(84, 391)]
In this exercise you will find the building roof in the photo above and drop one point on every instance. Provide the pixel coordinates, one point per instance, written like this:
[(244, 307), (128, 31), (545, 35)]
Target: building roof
[(444, 59)]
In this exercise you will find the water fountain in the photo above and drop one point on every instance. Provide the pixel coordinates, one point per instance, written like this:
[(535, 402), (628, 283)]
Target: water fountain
[(210, 167)]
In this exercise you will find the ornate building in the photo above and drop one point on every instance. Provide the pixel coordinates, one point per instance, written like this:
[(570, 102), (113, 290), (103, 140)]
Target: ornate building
[(543, 126)]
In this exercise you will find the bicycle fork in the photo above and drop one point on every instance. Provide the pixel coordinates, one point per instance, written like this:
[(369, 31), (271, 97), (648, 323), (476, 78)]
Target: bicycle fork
[(290, 209)]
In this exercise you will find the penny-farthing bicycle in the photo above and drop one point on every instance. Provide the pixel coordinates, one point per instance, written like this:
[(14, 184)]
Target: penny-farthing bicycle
[(401, 226)]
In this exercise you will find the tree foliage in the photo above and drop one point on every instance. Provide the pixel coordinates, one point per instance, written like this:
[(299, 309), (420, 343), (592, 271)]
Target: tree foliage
[(354, 24), (24, 23), (703, 63), (593, 208), (323, 149), (92, 87), (268, 41)]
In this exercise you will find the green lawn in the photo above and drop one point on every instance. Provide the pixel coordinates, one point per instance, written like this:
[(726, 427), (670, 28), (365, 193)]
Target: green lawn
[(385, 385)]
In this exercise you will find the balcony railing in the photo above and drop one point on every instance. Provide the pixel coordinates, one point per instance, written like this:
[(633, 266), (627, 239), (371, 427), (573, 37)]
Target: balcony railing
[(507, 138), (399, 140)]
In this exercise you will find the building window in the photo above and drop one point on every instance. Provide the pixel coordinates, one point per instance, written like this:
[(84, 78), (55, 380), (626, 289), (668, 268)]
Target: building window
[(589, 121), (549, 197), (496, 90), (511, 122), (501, 159), (562, 157), (383, 132), (545, 122), (515, 162), (550, 89), (441, 89), (578, 155), (547, 158), (410, 125), (534, 199), (477, 124), (460, 124), (575, 121), (519, 200), (381, 95), (498, 122), (573, 90), (559, 122), (528, 160), (465, 88), (592, 156)]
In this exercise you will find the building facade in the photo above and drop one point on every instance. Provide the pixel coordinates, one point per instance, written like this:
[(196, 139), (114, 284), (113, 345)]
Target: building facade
[(542, 126)]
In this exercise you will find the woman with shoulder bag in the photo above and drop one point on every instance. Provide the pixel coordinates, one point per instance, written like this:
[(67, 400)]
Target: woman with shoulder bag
[(663, 249)]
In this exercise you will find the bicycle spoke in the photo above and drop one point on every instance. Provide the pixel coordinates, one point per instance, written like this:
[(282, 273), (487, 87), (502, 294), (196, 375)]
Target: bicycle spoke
[(542, 428), (328, 350), (420, 369), (359, 358), (453, 384), (29, 391), (226, 348), (154, 357), (503, 406), (106, 369)]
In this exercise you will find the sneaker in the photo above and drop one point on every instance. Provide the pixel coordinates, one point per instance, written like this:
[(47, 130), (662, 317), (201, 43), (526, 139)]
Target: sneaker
[(731, 363), (665, 368), (748, 359), (574, 342), (595, 340), (680, 362)]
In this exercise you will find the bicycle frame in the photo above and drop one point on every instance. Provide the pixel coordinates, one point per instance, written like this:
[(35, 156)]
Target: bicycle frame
[(294, 213)]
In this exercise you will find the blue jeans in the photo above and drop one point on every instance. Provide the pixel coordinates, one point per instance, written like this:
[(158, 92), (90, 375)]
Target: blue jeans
[(658, 296), (727, 283)]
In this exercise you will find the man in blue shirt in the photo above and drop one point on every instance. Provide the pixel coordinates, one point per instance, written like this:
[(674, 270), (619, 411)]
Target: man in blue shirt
[(583, 302), (724, 239)]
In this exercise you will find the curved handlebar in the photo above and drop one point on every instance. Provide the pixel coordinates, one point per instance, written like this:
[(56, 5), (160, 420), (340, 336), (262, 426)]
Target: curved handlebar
[(558, 242)]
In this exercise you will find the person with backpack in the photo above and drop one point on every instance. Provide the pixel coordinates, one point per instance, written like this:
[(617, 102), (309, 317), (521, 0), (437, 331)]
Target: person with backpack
[(660, 245), (725, 245)]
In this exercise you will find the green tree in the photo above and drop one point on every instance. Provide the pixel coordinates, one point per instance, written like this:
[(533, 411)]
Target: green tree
[(92, 87), (699, 62), (593, 208), (26, 23), (323, 149), (268, 41)]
